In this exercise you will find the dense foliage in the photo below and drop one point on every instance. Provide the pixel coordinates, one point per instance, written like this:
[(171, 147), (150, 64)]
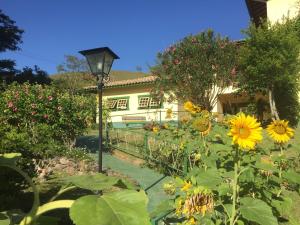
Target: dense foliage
[(198, 68), (10, 34), (40, 120), (122, 206), (269, 64)]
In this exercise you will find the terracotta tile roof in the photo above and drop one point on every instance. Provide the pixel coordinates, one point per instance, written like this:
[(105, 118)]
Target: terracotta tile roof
[(118, 83)]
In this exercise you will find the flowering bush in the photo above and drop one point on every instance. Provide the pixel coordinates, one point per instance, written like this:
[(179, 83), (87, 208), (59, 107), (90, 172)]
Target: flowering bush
[(40, 120), (205, 58)]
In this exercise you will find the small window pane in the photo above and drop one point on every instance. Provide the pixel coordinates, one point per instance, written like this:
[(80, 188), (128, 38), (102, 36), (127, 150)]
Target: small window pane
[(122, 104), (144, 102), (154, 103), (111, 103)]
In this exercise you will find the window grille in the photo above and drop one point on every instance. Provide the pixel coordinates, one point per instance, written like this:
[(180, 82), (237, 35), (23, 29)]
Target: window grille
[(154, 103), (144, 102), (111, 103), (122, 103)]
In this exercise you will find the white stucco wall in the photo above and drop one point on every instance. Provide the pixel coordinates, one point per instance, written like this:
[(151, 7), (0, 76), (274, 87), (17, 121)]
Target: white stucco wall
[(133, 93), (278, 9)]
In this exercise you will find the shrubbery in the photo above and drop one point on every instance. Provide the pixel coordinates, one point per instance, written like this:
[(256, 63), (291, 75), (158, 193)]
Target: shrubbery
[(40, 121)]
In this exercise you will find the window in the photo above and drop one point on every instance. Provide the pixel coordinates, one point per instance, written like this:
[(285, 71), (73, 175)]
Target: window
[(147, 102), (154, 103), (144, 102), (117, 104), (122, 104), (111, 103)]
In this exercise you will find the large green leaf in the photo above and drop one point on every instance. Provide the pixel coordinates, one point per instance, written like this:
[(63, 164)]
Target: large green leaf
[(4, 219), (292, 177), (125, 207), (209, 178), (9, 158), (257, 211), (93, 182), (283, 207), (11, 217)]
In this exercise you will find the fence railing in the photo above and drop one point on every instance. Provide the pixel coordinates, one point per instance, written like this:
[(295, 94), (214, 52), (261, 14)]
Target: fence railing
[(144, 144)]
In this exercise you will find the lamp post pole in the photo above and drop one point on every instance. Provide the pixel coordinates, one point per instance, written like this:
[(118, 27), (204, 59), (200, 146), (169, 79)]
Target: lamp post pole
[(100, 89), (100, 61)]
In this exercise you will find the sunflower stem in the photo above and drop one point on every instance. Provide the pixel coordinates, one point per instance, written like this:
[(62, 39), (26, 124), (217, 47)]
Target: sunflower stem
[(281, 150), (235, 187)]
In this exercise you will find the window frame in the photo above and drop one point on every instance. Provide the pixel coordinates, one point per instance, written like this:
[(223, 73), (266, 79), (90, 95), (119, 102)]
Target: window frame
[(159, 106), (127, 98)]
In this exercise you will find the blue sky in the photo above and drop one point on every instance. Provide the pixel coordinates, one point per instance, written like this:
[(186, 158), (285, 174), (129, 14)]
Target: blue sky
[(135, 29)]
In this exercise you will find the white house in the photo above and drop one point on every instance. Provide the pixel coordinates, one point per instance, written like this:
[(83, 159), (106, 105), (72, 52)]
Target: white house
[(130, 101)]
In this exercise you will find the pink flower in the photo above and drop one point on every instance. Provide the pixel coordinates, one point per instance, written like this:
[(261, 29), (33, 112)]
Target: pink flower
[(10, 104), (33, 113), (46, 116), (50, 98), (33, 105), (15, 109), (176, 61), (194, 40), (233, 71)]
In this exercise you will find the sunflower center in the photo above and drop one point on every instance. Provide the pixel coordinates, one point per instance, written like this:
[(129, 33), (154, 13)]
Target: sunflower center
[(244, 132), (280, 129)]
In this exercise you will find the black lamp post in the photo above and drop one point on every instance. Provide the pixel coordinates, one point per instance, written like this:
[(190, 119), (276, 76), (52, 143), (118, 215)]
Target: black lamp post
[(100, 61)]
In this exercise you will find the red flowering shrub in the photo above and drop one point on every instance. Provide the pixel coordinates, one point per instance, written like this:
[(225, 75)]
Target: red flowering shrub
[(40, 120), (192, 69)]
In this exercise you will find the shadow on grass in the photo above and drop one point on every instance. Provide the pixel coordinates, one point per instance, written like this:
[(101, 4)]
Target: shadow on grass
[(90, 142)]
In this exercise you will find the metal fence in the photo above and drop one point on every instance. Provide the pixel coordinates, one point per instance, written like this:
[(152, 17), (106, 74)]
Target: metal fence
[(141, 143)]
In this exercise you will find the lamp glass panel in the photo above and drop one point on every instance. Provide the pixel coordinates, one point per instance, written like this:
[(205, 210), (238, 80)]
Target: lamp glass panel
[(95, 61), (108, 63)]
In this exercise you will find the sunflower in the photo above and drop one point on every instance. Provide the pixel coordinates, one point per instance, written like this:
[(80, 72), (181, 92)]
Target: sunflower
[(186, 186), (203, 125), (245, 131), (169, 114), (191, 221), (280, 131), (198, 203), (155, 129), (190, 107)]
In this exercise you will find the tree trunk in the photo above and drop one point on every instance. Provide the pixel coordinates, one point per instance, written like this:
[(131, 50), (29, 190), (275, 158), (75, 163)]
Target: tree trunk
[(273, 108)]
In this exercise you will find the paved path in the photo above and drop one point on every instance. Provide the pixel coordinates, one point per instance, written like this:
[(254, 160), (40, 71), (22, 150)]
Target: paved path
[(143, 175)]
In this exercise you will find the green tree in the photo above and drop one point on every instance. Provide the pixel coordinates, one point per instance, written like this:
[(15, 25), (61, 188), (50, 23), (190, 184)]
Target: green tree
[(198, 68), (10, 38), (10, 34), (269, 64), (32, 76), (73, 81), (72, 64)]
